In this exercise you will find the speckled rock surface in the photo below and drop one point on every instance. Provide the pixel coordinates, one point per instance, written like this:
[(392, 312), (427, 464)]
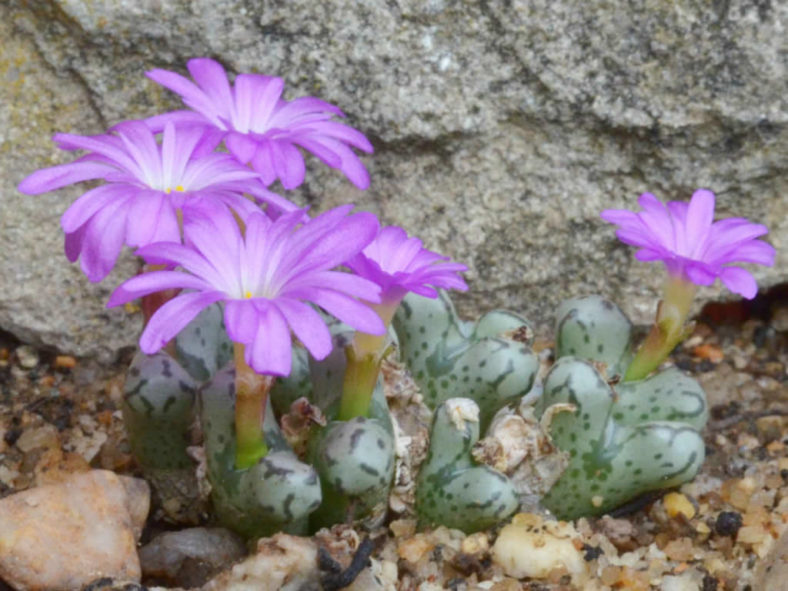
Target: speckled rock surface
[(501, 129)]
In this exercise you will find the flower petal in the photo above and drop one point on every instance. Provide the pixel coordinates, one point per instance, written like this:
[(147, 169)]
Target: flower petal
[(241, 320), (307, 325), (348, 237), (700, 216), (152, 282), (73, 243), (756, 251), (288, 163), (191, 94), (279, 203), (270, 352), (91, 202), (241, 146), (178, 254), (263, 162), (739, 281), (359, 287), (103, 239), (212, 80), (173, 317), (348, 310), (256, 97), (55, 177)]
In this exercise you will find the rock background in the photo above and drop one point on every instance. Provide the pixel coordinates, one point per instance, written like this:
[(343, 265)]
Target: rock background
[(501, 129)]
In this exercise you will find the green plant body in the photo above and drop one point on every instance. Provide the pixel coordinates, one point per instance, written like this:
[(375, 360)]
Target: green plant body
[(624, 439), (489, 361), (453, 490)]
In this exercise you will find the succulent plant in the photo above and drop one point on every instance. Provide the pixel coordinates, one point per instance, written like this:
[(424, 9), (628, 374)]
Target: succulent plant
[(355, 460), (594, 328), (277, 493), (319, 381), (202, 347), (453, 490), (489, 362), (158, 411), (624, 439), (298, 384)]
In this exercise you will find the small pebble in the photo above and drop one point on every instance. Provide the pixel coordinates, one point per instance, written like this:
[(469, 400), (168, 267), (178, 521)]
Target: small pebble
[(780, 319), (728, 523), (413, 549), (531, 547), (64, 536), (678, 504), (478, 543), (12, 435), (772, 571), (65, 362), (282, 561), (27, 356), (189, 557), (45, 436), (689, 580), (592, 552), (770, 427)]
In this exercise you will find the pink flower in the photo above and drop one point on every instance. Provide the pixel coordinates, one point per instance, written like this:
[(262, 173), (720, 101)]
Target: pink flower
[(683, 237), (147, 183), (266, 277), (399, 265), (262, 128)]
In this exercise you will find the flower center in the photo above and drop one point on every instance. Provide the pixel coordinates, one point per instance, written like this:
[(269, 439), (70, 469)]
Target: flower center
[(248, 295), (178, 188)]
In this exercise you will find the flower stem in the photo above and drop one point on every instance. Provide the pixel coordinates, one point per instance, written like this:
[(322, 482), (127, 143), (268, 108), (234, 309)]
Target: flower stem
[(251, 395), (361, 376), (668, 329), (363, 366)]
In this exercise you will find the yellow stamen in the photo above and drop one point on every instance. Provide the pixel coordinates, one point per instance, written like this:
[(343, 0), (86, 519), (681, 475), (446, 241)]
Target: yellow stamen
[(248, 294), (168, 190), (180, 189)]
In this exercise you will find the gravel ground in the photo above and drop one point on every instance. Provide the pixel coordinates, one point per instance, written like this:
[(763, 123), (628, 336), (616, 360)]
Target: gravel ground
[(59, 415)]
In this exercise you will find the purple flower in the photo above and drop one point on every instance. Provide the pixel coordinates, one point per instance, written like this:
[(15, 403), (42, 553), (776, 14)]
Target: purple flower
[(262, 128), (147, 184), (692, 247), (267, 277), (399, 264)]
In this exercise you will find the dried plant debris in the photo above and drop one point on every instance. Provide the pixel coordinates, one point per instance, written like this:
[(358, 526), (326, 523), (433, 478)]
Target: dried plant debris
[(724, 530)]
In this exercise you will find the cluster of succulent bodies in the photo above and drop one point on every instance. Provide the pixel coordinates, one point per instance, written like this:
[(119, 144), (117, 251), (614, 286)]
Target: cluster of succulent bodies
[(297, 435)]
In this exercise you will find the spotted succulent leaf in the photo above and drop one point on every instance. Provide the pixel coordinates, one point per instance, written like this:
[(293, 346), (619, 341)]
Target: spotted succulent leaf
[(489, 362), (355, 460), (158, 412), (203, 347), (276, 494), (623, 440), (595, 329), (452, 490)]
